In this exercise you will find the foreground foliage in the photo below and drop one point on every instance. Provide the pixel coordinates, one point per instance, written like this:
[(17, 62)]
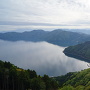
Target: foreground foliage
[(75, 80), (14, 78)]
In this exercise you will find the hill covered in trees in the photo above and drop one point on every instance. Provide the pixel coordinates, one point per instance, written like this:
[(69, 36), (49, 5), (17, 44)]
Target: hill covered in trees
[(75, 80), (14, 78), (58, 37), (80, 51)]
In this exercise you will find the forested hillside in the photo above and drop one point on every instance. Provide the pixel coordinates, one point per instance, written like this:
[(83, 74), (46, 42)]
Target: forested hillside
[(80, 51), (75, 80), (58, 37), (14, 78)]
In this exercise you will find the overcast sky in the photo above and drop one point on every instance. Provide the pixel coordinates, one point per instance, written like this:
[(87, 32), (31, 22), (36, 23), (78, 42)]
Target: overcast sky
[(42, 14)]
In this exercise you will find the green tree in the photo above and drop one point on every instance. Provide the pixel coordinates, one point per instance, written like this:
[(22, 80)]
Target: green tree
[(38, 84), (80, 87), (69, 87)]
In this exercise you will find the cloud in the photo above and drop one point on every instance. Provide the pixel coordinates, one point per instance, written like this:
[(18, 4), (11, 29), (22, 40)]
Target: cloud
[(46, 11)]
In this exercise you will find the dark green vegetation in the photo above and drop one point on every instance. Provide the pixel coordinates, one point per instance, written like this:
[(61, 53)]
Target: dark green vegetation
[(75, 80), (58, 37), (14, 78), (81, 51)]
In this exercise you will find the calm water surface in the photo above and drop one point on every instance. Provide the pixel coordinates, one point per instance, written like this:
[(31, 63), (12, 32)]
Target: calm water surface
[(43, 57)]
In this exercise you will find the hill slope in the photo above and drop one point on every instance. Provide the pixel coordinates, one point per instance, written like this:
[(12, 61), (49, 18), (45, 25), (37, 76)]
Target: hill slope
[(75, 80), (81, 51), (58, 37), (14, 78)]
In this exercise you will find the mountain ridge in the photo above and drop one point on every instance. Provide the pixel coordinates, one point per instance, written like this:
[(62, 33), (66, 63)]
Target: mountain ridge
[(58, 37)]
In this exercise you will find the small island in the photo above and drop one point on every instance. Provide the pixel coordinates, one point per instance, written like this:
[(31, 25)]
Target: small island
[(80, 51)]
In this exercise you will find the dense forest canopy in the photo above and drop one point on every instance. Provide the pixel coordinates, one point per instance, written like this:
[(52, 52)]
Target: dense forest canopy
[(81, 51), (75, 80), (15, 78)]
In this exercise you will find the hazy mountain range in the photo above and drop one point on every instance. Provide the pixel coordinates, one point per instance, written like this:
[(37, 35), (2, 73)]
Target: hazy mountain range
[(58, 37), (85, 31)]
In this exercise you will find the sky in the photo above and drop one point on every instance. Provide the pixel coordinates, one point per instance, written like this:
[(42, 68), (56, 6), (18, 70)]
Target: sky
[(44, 14)]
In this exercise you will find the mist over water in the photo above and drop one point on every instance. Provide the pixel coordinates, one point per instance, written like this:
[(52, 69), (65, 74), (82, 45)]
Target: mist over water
[(43, 57)]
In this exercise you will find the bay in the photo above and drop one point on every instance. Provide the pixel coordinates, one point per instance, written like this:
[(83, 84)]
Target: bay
[(43, 57)]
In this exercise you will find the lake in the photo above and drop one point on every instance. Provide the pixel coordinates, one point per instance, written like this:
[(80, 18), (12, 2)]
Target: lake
[(43, 57)]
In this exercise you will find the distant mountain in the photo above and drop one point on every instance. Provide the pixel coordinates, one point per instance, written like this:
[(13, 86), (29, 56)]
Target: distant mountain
[(58, 37), (80, 51), (35, 35), (75, 80), (66, 38), (86, 31)]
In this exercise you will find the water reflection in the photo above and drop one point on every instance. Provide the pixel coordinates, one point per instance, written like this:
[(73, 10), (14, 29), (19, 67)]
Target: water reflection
[(43, 57)]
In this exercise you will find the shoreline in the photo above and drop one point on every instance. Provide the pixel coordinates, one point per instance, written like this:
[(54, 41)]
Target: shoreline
[(80, 57)]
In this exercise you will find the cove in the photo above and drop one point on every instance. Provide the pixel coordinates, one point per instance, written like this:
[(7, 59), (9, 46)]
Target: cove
[(43, 57)]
